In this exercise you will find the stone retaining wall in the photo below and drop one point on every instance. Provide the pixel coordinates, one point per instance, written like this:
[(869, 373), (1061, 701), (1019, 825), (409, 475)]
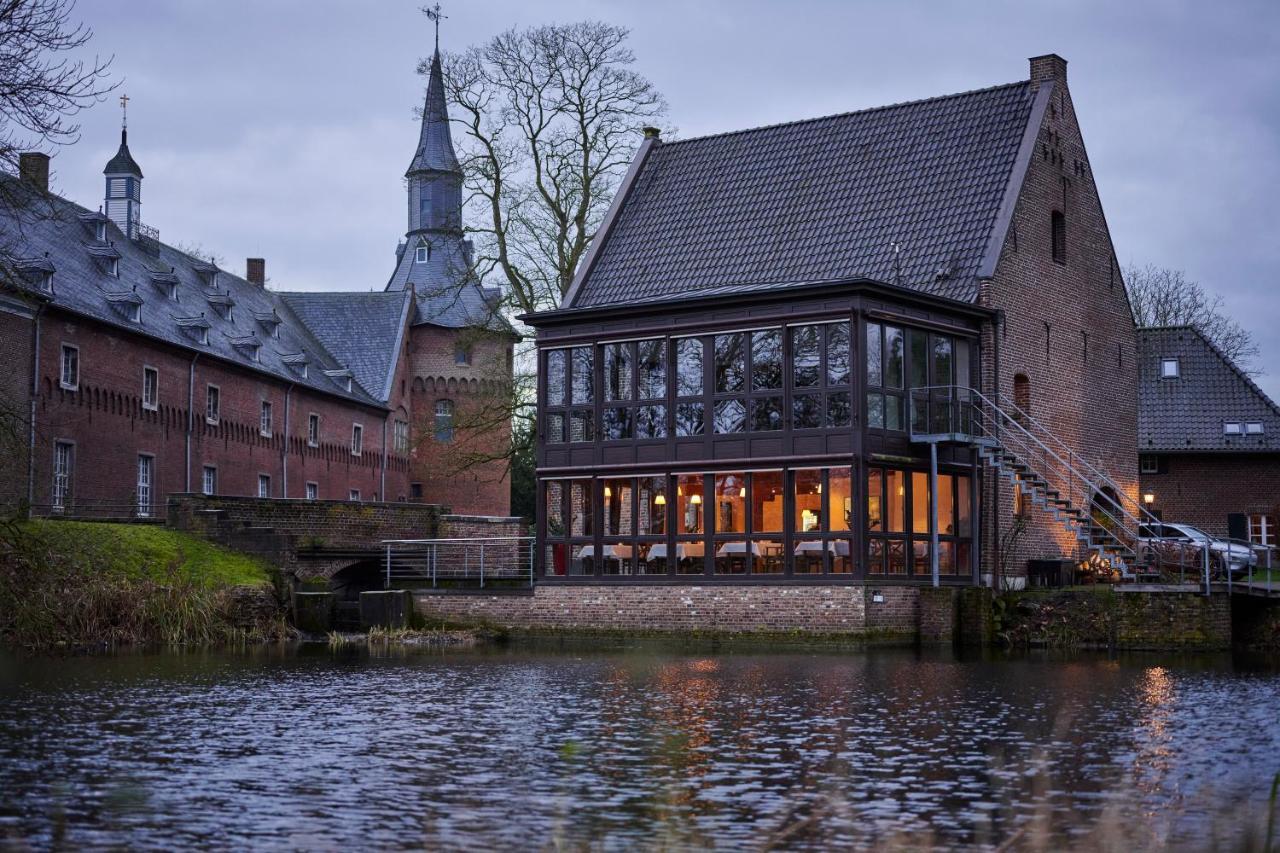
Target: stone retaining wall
[(855, 611)]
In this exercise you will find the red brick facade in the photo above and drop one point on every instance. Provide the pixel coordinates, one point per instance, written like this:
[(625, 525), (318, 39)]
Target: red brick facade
[(1204, 489), (105, 420), (467, 471), (1066, 326)]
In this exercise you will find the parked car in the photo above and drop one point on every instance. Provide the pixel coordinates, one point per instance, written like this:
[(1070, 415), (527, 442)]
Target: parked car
[(1181, 545)]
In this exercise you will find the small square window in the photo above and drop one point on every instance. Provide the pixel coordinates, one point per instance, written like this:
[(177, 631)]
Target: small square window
[(1148, 465), (1169, 368), (313, 491), (354, 495), (1232, 428), (421, 255), (1253, 428)]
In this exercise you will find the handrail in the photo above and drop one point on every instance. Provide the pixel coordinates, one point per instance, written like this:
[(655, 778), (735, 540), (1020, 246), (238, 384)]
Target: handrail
[(1007, 421)]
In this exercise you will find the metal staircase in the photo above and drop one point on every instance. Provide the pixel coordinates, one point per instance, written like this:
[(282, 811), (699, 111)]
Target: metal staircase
[(1103, 518)]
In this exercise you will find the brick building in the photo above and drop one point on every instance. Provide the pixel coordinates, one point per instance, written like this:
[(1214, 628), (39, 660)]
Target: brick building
[(834, 351), (1209, 438), (136, 370)]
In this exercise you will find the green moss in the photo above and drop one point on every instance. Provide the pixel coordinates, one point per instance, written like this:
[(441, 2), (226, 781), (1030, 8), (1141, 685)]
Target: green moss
[(147, 552)]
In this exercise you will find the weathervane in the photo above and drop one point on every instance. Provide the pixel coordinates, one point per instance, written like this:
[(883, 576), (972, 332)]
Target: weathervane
[(124, 112), (433, 12)]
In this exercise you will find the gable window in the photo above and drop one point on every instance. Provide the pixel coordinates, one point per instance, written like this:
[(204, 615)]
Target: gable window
[(1058, 236), (264, 420), (209, 482), (1169, 368), (264, 485), (1232, 428), (212, 407), (313, 430), (63, 460), (444, 420), (70, 375), (1148, 465), (150, 388), (1253, 428), (422, 253), (313, 491), (357, 439), (1262, 529), (461, 354)]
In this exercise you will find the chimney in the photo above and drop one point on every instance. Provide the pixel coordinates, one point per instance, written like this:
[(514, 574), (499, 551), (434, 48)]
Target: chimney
[(33, 168), (652, 133), (1048, 67), (255, 270)]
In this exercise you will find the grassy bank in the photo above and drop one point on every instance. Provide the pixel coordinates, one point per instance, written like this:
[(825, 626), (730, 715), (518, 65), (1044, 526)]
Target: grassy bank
[(86, 585)]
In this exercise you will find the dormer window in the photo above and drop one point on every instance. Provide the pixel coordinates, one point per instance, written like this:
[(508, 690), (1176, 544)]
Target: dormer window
[(134, 312), (113, 267), (128, 303), (1169, 368), (196, 327), (100, 231), (46, 283)]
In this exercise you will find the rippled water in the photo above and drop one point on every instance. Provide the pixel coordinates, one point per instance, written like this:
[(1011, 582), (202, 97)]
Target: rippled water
[(634, 745)]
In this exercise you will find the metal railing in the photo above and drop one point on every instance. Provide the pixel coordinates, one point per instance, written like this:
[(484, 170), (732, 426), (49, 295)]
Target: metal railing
[(430, 563)]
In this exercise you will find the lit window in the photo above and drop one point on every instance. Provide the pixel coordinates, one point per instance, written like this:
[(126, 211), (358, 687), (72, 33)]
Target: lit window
[(212, 409), (1149, 465), (264, 486), (70, 377), (354, 495), (150, 388), (1169, 368), (444, 420), (313, 491), (264, 421), (357, 439), (1253, 428), (1232, 428), (1262, 529), (209, 483), (313, 430)]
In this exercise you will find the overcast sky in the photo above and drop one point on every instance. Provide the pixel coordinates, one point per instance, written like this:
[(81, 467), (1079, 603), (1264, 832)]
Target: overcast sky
[(283, 128)]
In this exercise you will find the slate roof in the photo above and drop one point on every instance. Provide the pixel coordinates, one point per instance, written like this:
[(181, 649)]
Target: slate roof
[(361, 330), (62, 232), (819, 200), (435, 146), (123, 162), (1186, 414)]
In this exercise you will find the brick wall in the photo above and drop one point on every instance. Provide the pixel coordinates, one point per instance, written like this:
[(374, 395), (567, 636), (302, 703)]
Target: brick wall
[(109, 427), (17, 330), (469, 472), (1202, 489), (1067, 327), (817, 610), (327, 524), (1126, 618)]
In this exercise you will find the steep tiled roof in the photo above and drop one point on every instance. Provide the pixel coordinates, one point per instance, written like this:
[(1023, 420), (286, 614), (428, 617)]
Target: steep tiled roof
[(826, 199), (61, 233), (435, 147), (362, 330), (1188, 413)]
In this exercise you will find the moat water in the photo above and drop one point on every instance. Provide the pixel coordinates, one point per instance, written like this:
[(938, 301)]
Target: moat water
[(635, 745)]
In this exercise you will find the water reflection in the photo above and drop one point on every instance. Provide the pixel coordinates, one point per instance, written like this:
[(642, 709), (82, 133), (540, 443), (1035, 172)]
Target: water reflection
[(642, 745)]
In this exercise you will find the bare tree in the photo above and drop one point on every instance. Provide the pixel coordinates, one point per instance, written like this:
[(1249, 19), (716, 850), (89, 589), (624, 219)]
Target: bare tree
[(551, 118), (1166, 297)]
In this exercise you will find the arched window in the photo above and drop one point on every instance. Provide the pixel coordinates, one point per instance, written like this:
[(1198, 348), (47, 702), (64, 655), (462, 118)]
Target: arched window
[(444, 420), (1022, 395), (1058, 236)]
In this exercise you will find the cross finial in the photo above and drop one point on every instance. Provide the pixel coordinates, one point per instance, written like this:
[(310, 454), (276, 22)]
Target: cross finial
[(433, 12), (124, 112)]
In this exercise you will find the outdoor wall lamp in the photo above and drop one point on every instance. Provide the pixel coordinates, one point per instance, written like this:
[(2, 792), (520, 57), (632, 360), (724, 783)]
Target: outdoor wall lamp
[(1148, 498)]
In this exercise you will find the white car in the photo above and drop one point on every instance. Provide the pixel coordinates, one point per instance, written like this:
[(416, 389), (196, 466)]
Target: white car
[(1168, 544)]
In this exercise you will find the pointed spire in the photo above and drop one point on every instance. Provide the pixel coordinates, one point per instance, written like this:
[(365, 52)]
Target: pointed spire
[(123, 163), (435, 144)]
